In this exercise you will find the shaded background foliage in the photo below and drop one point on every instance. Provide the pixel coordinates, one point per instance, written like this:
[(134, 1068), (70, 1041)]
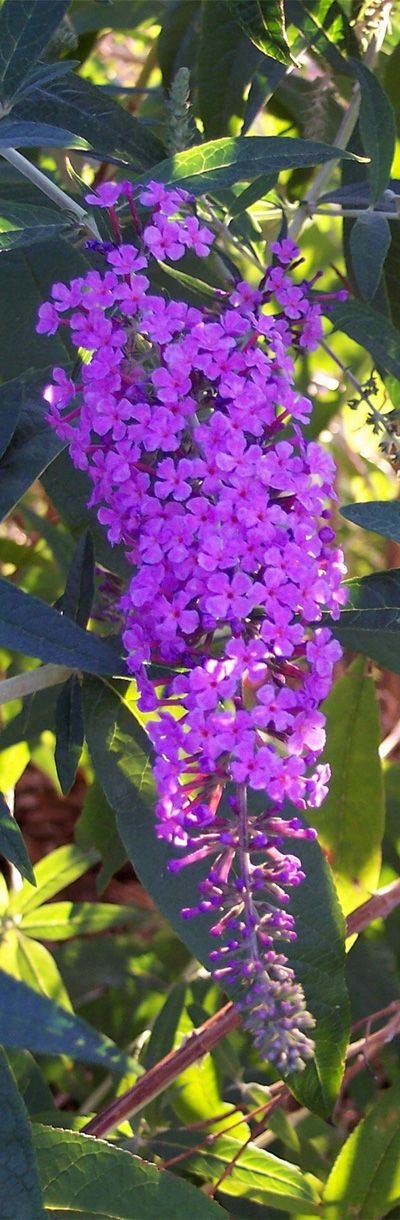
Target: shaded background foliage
[(244, 102)]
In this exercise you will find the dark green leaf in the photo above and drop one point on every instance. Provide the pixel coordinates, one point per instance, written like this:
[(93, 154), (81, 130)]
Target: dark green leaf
[(53, 873), (226, 63), (257, 190), (29, 442), (370, 620), (32, 1021), (25, 279), (69, 733), (351, 820), (75, 103), (23, 224), (318, 960), (78, 595), (371, 330), (84, 1178), (165, 1026), (364, 1183), (26, 134), (25, 30), (239, 159), (19, 1178), (255, 1174), (369, 244), (378, 516), (34, 1090), (264, 23), (120, 756), (57, 921), (96, 827), (11, 399), (377, 128), (38, 630), (12, 845), (69, 491)]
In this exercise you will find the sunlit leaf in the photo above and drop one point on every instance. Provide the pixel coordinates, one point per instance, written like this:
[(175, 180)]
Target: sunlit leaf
[(84, 1178), (351, 820), (264, 23), (364, 1183)]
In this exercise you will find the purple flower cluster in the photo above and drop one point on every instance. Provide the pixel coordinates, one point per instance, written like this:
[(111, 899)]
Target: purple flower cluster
[(189, 425)]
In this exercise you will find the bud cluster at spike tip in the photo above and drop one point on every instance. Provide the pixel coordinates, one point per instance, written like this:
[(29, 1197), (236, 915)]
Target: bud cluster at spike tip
[(189, 425)]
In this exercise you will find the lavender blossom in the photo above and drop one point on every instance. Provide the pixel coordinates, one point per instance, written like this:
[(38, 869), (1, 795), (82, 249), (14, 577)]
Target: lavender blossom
[(189, 425)]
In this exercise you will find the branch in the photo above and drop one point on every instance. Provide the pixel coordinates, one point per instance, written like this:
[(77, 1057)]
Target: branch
[(49, 188), (203, 1039), (31, 681)]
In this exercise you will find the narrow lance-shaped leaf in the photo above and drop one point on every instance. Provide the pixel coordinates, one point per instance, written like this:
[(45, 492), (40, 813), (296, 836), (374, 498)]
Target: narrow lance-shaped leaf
[(369, 243), (255, 1175), (350, 822), (364, 1183), (378, 516), (264, 23), (12, 845), (371, 330), (370, 620), (34, 1022), (23, 224), (15, 133), (69, 732), (20, 1188), (25, 30), (53, 873), (84, 1178), (240, 159), (32, 627), (377, 127)]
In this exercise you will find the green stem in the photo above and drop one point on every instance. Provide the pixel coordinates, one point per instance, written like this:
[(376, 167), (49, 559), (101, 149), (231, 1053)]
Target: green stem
[(31, 681), (49, 188)]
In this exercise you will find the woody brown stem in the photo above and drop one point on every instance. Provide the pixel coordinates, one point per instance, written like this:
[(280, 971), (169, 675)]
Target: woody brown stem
[(203, 1039)]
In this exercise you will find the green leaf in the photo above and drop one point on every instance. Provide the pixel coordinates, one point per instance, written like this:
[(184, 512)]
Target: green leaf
[(121, 758), (75, 103), (264, 23), (25, 279), (365, 1179), (64, 920), (371, 330), (378, 516), (318, 960), (52, 874), (226, 162), (350, 822), (369, 243), (29, 443), (79, 590), (23, 224), (225, 65), (35, 1023), (25, 30), (370, 620), (25, 134), (12, 845), (30, 626), (69, 491), (19, 1178), (377, 128), (83, 1178), (256, 1175), (69, 733), (257, 190), (96, 827), (34, 965)]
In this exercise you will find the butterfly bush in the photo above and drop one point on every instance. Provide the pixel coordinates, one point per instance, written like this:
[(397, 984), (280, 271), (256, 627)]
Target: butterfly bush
[(189, 426)]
